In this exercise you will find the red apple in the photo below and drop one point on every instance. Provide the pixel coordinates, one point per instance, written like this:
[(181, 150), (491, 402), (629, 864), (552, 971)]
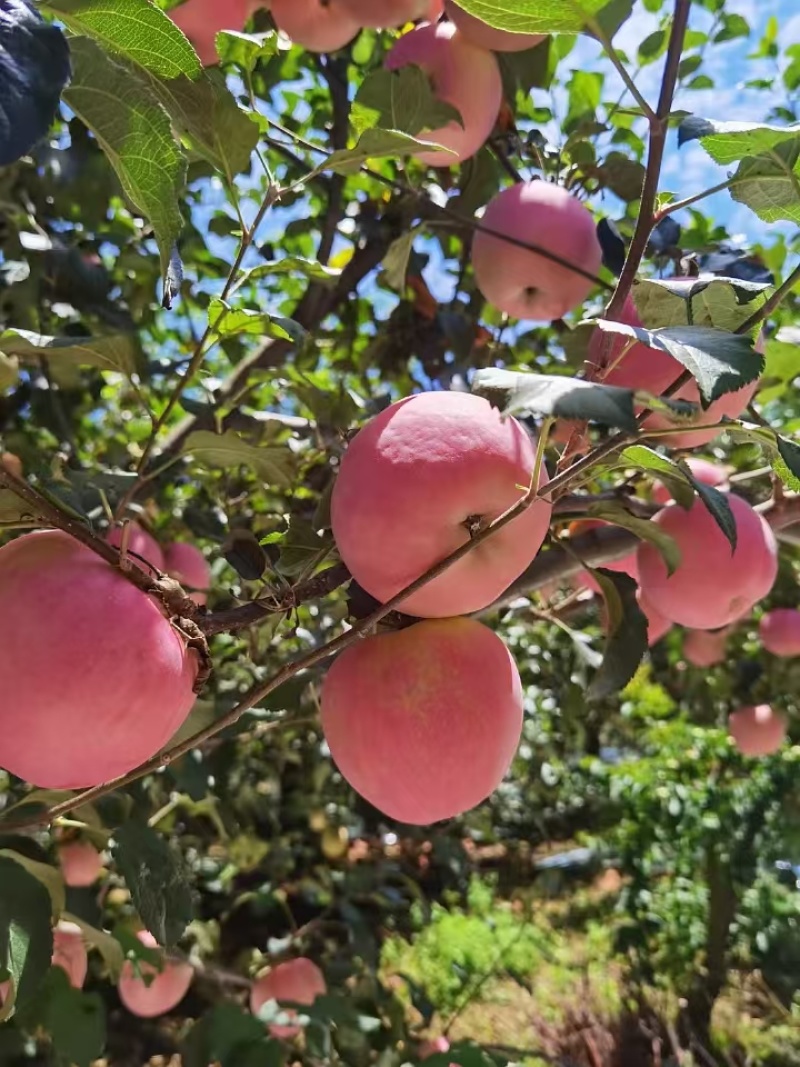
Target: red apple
[(142, 547), (486, 36), (297, 981), (202, 20), (187, 564), (80, 863), (705, 648), (316, 25), (166, 990), (779, 631), (69, 953), (757, 731)]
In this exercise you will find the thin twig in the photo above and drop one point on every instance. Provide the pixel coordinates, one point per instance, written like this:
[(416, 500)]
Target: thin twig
[(769, 305)]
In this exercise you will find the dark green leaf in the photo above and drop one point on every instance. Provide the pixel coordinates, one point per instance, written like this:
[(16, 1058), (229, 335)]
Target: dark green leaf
[(401, 100), (717, 504), (228, 450), (225, 1035), (156, 879), (626, 625), (643, 528), (665, 469), (724, 303), (75, 1021), (26, 937)]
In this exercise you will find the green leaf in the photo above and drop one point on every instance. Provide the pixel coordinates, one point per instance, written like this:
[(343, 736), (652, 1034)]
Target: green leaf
[(75, 1021), (114, 352), (789, 465), (223, 1035), (136, 29), (727, 142), (724, 303), (302, 548), (135, 132), (718, 506), (402, 100), (665, 469), (770, 184), (227, 321), (373, 144), (780, 365), (26, 937), (226, 450), (626, 643), (535, 16), (154, 874), (246, 49), (562, 397), (395, 262), (643, 528), (49, 876), (307, 268), (720, 362), (9, 371), (108, 946)]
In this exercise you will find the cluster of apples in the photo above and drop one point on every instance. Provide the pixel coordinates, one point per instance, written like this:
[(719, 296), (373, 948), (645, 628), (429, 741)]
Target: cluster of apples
[(424, 721), (62, 607)]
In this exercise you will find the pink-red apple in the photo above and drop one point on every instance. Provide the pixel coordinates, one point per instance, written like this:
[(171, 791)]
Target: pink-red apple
[(297, 981), (416, 482), (432, 1046), (705, 472), (462, 75), (187, 564), (757, 731), (316, 25), (381, 14), (142, 547), (94, 678), (616, 359), (202, 20), (167, 987), (657, 625), (730, 405), (486, 36), (705, 648), (779, 631), (713, 585), (80, 863), (424, 722), (69, 952), (525, 283)]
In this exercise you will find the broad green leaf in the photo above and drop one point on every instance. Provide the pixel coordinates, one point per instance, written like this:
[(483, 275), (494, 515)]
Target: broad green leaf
[(222, 1036), (155, 877), (562, 397), (135, 133), (75, 1021), (724, 303), (9, 370), (395, 262), (302, 548), (135, 29), (535, 16), (114, 352), (108, 946), (226, 450), (788, 466), (246, 49), (781, 367), (227, 321), (373, 144), (718, 506), (307, 268), (26, 937), (626, 625), (720, 362), (49, 876), (664, 468), (770, 184), (643, 528), (401, 100), (727, 142)]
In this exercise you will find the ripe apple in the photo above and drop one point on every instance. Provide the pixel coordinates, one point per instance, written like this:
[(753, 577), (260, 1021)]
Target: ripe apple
[(625, 565), (202, 20), (480, 33), (142, 546), (69, 952), (187, 564), (432, 1046), (12, 463), (757, 731), (462, 75), (381, 14), (524, 283), (415, 481), (80, 863), (705, 648), (316, 25), (657, 625), (640, 367), (94, 677), (424, 722), (779, 631), (705, 472), (297, 981), (165, 991), (712, 585)]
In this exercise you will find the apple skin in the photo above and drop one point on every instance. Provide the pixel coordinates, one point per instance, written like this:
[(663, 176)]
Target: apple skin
[(202, 20), (625, 565), (463, 75), (382, 14), (142, 546), (69, 953), (486, 36), (705, 648), (424, 722), (657, 625), (408, 482), (641, 367), (712, 586), (80, 863), (187, 564), (523, 283), (315, 25), (779, 631), (757, 731), (298, 981), (12, 463), (165, 992), (432, 1046), (705, 472), (94, 678)]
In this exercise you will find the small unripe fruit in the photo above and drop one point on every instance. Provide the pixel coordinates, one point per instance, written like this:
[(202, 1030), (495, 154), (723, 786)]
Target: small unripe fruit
[(414, 483), (142, 547), (707, 473), (316, 25), (334, 843), (69, 952), (297, 981), (80, 862), (757, 731), (464, 76), (202, 20), (424, 722), (524, 283), (712, 586), (12, 463), (486, 36), (779, 631), (93, 676), (381, 14), (166, 990), (187, 564), (705, 648)]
